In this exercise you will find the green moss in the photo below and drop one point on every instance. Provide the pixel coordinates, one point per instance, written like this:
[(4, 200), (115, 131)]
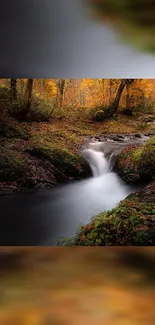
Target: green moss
[(151, 141), (55, 139), (127, 224), (12, 131), (147, 161), (137, 154), (65, 161), (12, 165), (137, 163)]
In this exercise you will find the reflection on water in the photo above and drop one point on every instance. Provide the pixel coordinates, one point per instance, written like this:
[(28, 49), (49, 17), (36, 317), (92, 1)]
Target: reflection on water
[(88, 285)]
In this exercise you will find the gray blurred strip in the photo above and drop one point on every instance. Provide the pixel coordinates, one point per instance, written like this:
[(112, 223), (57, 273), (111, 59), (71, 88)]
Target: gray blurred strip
[(52, 39)]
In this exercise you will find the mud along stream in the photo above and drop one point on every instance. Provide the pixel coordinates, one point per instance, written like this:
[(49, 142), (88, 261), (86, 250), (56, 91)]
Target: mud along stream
[(43, 217)]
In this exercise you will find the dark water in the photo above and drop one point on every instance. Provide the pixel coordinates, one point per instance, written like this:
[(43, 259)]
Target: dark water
[(43, 217)]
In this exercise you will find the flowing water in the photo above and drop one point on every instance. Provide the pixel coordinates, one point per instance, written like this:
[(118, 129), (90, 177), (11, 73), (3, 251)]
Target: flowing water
[(43, 217)]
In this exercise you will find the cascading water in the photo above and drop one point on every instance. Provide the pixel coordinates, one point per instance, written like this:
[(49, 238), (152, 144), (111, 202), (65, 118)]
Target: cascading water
[(43, 218), (112, 161), (97, 161)]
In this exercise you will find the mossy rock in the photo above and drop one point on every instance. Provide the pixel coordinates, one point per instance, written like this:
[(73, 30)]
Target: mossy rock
[(136, 164), (132, 222), (102, 115), (12, 165), (134, 20), (67, 163), (147, 160), (8, 131)]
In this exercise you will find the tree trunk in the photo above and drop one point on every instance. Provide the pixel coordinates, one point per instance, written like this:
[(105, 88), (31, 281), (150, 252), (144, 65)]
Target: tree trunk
[(118, 95), (61, 90), (127, 96), (103, 88), (82, 99), (110, 91), (27, 99), (128, 110), (22, 86), (13, 89)]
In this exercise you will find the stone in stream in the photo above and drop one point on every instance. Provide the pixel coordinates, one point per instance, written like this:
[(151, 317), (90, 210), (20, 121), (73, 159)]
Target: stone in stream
[(149, 134), (98, 139), (121, 136), (137, 135), (117, 138)]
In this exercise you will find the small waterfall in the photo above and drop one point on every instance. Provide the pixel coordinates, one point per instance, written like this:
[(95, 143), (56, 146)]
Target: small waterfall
[(97, 161), (112, 161), (61, 210)]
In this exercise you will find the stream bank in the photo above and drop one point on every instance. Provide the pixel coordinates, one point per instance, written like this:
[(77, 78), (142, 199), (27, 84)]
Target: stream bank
[(132, 222), (52, 214), (40, 163)]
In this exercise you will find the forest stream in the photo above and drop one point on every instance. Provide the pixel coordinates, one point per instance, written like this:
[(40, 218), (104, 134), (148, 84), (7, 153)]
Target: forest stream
[(44, 217)]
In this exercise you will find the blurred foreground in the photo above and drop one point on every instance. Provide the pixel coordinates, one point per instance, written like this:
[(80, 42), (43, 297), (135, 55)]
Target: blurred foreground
[(43, 286)]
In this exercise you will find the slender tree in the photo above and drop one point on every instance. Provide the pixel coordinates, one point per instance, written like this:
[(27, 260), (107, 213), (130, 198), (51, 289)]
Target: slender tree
[(118, 95), (124, 83), (61, 88), (27, 99), (110, 90), (22, 86), (13, 89)]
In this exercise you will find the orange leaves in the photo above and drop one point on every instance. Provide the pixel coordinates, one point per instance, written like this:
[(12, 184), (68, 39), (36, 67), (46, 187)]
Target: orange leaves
[(51, 85), (92, 93)]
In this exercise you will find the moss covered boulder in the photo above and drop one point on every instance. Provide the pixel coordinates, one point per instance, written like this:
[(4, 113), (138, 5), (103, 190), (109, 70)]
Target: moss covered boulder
[(67, 165), (136, 164), (13, 166), (104, 114), (100, 116), (132, 222)]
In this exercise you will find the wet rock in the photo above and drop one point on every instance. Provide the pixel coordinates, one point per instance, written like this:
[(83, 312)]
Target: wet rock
[(137, 163), (117, 138), (132, 222), (97, 139), (66, 164), (137, 135), (149, 134), (121, 136)]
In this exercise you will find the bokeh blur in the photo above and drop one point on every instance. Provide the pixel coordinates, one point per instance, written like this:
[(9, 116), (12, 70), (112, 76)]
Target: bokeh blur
[(55, 39), (52, 286), (134, 19)]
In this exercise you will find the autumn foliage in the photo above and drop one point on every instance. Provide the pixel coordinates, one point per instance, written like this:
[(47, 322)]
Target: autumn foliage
[(41, 99)]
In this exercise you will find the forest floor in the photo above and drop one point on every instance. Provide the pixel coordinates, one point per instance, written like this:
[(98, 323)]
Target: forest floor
[(77, 285), (27, 148)]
